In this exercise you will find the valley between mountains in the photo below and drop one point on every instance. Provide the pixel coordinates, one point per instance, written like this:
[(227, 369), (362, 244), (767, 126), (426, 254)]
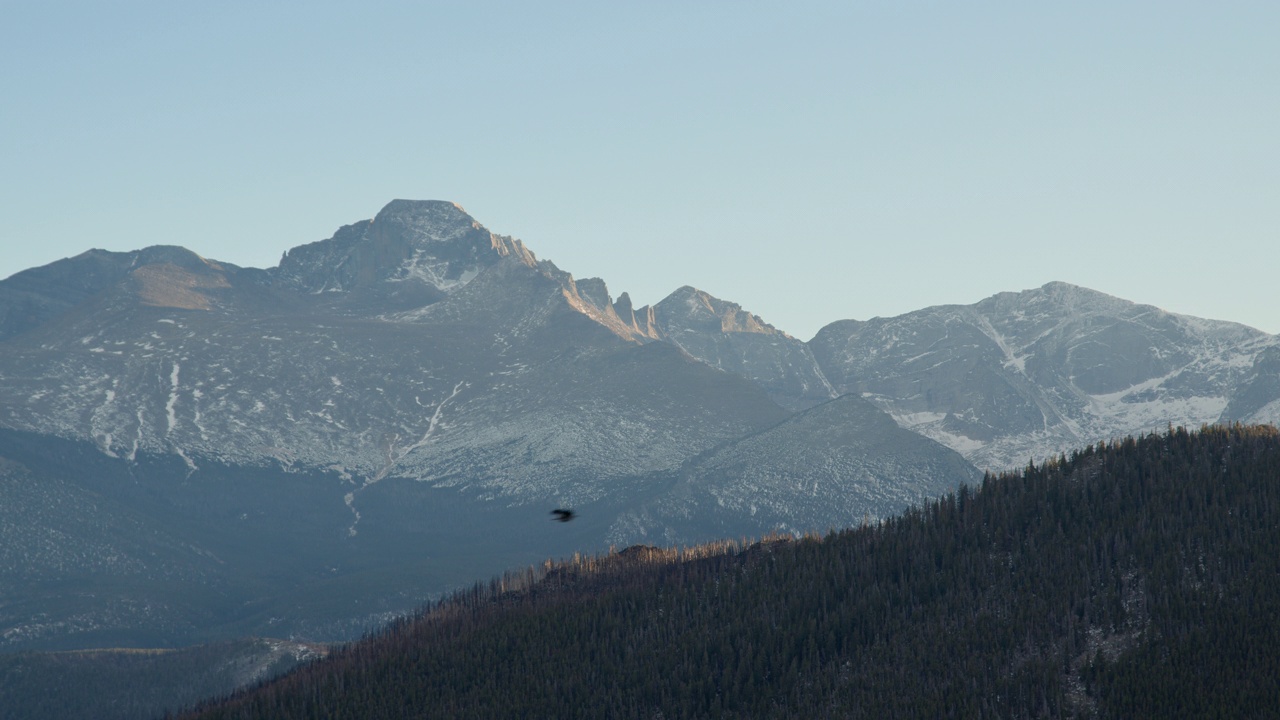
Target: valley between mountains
[(192, 451)]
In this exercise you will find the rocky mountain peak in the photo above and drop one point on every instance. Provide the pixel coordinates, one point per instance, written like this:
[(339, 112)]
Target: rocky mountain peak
[(433, 227), (1055, 298), (641, 322), (1037, 372), (689, 308), (176, 256), (424, 213), (431, 243), (725, 336), (160, 275)]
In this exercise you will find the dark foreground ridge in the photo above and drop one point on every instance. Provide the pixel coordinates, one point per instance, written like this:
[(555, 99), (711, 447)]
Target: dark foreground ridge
[(1133, 579), (131, 683)]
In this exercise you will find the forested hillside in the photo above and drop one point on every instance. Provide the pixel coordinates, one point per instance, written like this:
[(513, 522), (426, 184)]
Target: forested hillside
[(1133, 579)]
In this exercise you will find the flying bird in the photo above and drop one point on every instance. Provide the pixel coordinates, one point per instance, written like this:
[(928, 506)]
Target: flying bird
[(563, 515)]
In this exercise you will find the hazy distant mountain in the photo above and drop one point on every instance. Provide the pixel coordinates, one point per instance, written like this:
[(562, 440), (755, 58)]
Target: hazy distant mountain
[(1031, 374), (802, 474), (197, 450), (727, 337)]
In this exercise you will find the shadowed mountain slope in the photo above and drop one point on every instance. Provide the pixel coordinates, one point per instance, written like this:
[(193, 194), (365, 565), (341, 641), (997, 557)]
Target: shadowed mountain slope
[(1136, 579), (835, 465)]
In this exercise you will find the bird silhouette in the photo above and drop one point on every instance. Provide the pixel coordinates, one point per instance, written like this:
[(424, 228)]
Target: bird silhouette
[(563, 515)]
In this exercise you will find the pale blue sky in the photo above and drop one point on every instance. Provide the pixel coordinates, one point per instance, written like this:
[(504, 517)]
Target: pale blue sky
[(811, 161)]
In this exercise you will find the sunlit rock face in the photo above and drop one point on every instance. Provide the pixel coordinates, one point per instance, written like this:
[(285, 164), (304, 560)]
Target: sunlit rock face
[(389, 413), (725, 336), (1034, 373)]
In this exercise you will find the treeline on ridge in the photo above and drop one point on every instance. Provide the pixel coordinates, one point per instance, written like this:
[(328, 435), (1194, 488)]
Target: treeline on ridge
[(1138, 578)]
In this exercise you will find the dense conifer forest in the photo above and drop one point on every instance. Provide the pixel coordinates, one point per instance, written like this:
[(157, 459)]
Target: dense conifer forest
[(1138, 578)]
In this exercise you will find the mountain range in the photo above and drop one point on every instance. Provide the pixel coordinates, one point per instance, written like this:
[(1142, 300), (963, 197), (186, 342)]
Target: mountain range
[(191, 450)]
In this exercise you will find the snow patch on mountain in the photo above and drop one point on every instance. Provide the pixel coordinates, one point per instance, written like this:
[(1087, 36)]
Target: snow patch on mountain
[(1268, 414), (1035, 373)]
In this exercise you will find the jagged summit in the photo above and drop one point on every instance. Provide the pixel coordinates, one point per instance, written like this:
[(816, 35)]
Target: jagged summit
[(725, 336), (432, 243), (689, 309), (439, 222)]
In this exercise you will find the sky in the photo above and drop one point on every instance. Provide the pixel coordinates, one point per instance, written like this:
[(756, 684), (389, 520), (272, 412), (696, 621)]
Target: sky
[(811, 161)]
